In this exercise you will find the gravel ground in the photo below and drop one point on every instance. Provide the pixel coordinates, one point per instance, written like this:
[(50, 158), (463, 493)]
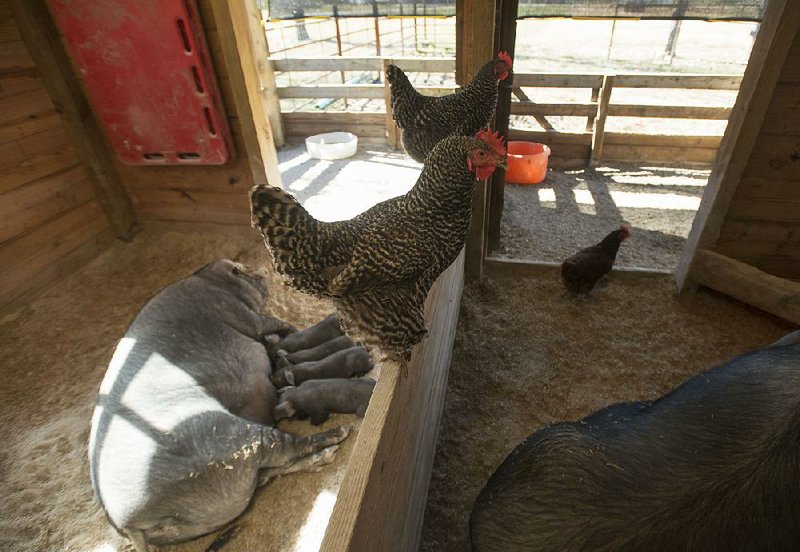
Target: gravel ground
[(574, 209)]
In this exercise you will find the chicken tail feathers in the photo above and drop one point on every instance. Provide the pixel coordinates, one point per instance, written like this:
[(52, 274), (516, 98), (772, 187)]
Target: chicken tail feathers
[(290, 234), (406, 101)]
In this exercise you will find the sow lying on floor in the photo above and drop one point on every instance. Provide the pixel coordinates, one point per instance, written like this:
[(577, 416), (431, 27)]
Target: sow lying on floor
[(712, 466), (181, 432)]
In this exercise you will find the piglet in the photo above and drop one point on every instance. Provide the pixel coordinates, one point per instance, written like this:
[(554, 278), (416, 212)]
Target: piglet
[(317, 399), (341, 364)]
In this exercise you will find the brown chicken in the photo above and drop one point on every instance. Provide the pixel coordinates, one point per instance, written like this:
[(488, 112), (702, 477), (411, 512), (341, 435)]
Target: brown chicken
[(581, 272), (426, 120), (379, 266)]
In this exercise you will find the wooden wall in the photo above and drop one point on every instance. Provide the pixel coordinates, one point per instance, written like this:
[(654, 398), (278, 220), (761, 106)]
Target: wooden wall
[(762, 226), (50, 217)]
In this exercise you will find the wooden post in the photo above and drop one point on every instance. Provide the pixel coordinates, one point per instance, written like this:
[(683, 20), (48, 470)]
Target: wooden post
[(392, 132), (778, 30), (338, 41), (377, 28), (234, 21), (474, 46), (505, 40), (600, 124), (590, 119), (41, 36)]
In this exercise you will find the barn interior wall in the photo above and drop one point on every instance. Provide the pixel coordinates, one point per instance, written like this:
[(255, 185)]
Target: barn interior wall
[(762, 226), (50, 216)]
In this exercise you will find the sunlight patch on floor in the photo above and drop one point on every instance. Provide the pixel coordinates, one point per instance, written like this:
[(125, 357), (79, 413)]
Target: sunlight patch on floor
[(313, 530), (629, 199)]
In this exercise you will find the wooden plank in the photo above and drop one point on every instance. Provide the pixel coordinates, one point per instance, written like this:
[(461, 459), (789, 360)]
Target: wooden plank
[(18, 107), (759, 230), (14, 56), (562, 109), (557, 80), (367, 63), (371, 91), (517, 268), (671, 80), (577, 138), (199, 213), (505, 41), (52, 61), (31, 124), (244, 25), (670, 140), (600, 120), (19, 81), (382, 498), (23, 258), (9, 31), (34, 166), (741, 281), (475, 43), (704, 156), (779, 210), (791, 69), (29, 206), (775, 156), (591, 118), (776, 34), (669, 111), (55, 271), (752, 187), (333, 118), (783, 114), (304, 130)]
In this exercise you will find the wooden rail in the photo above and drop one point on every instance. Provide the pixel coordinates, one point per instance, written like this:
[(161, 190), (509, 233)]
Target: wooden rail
[(576, 149)]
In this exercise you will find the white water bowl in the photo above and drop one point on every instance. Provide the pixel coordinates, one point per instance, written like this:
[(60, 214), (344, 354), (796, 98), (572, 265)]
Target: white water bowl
[(332, 145)]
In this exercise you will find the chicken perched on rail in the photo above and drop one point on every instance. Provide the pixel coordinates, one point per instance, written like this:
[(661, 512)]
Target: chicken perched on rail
[(426, 120), (582, 271), (379, 266)]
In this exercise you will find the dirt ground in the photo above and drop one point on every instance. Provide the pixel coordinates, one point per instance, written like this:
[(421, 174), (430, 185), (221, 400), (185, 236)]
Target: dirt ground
[(526, 356), (53, 356), (571, 210)]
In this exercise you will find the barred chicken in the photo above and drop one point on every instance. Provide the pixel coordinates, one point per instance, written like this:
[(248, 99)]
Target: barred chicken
[(584, 269), (379, 266), (425, 120)]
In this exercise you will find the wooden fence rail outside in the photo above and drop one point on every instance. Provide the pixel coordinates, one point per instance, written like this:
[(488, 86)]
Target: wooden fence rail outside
[(596, 111)]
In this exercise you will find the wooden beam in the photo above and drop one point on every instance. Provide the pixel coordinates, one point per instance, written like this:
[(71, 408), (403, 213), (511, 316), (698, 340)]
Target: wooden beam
[(748, 284), (237, 22), (671, 80), (475, 45), (778, 30), (248, 18), (505, 40), (590, 119), (381, 501), (499, 267), (559, 109), (600, 122), (368, 63), (55, 69)]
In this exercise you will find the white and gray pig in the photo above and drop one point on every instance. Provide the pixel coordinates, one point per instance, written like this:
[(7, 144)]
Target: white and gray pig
[(317, 399), (181, 432), (713, 466)]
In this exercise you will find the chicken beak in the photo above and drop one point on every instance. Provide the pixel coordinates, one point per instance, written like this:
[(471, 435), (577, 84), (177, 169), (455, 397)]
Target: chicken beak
[(503, 164)]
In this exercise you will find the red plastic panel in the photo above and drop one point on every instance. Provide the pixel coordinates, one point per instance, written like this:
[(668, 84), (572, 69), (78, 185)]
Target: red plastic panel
[(146, 69)]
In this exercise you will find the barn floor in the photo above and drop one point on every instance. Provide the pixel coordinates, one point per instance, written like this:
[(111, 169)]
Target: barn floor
[(573, 209), (526, 356), (53, 356), (547, 222)]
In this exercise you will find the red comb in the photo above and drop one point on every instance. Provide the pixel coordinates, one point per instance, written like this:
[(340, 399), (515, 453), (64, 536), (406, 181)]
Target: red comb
[(493, 139), (626, 229), (505, 58)]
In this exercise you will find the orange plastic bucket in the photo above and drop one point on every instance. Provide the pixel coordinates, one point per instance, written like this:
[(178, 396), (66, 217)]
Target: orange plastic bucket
[(527, 162)]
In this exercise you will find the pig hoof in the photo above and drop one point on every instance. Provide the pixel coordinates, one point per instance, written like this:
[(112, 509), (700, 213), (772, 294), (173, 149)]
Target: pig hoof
[(323, 457), (289, 377), (345, 430)]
